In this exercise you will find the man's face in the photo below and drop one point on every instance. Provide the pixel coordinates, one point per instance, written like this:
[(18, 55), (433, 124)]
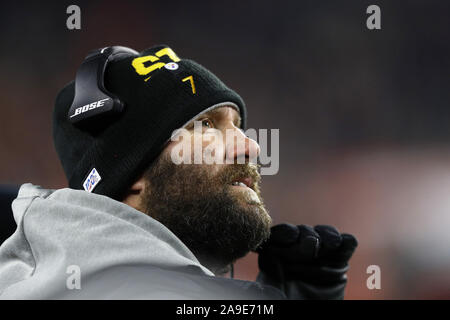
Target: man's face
[(216, 210)]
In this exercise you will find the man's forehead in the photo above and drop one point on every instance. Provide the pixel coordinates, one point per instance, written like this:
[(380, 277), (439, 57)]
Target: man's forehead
[(225, 111)]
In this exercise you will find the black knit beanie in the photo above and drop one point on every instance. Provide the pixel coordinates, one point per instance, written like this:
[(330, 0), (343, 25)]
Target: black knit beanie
[(160, 96)]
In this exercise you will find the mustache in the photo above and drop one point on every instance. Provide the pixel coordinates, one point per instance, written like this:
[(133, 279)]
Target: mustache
[(233, 172)]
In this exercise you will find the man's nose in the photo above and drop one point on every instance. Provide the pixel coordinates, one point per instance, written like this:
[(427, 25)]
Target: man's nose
[(238, 145)]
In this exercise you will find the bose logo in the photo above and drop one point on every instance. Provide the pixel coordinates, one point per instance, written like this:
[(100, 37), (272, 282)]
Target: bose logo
[(93, 105), (92, 180)]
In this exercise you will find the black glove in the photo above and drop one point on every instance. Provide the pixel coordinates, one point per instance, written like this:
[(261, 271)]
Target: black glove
[(306, 262)]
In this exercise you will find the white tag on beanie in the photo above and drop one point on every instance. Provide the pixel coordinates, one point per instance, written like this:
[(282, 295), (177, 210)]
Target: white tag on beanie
[(92, 180)]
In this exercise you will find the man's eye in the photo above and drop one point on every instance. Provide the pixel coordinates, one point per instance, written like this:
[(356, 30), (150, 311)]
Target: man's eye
[(207, 123)]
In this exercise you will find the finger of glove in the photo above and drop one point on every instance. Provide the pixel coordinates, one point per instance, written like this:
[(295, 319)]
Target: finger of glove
[(308, 242), (305, 231), (283, 234), (330, 237), (342, 255), (348, 246), (304, 251), (349, 241)]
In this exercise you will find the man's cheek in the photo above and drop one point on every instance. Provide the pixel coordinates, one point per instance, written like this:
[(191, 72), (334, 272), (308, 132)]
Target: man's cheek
[(180, 148), (213, 148)]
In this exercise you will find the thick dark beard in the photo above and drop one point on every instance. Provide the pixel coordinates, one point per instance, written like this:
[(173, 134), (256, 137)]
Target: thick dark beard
[(218, 224)]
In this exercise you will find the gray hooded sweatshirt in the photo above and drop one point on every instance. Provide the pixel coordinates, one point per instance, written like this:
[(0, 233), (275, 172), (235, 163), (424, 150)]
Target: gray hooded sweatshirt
[(71, 244)]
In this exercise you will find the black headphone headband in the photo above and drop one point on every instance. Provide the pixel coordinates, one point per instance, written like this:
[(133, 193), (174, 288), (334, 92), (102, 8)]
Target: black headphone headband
[(91, 97)]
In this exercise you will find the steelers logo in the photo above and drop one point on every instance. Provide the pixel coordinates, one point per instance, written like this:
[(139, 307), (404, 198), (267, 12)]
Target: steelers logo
[(171, 66)]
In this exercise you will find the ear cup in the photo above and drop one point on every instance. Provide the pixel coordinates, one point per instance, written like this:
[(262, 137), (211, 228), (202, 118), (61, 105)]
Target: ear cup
[(92, 100)]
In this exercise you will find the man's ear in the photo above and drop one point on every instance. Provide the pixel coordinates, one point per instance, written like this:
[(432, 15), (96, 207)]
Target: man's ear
[(134, 194)]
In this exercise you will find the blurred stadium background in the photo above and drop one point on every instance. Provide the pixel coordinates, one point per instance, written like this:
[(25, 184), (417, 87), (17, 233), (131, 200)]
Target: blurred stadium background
[(363, 115)]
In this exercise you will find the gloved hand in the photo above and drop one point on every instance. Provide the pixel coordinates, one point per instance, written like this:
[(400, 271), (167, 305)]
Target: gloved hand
[(306, 262)]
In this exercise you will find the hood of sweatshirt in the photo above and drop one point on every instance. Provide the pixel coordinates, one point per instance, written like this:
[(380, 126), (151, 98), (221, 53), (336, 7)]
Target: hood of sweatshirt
[(62, 232)]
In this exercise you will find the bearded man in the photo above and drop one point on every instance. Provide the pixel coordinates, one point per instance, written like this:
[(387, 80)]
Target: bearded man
[(134, 223)]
